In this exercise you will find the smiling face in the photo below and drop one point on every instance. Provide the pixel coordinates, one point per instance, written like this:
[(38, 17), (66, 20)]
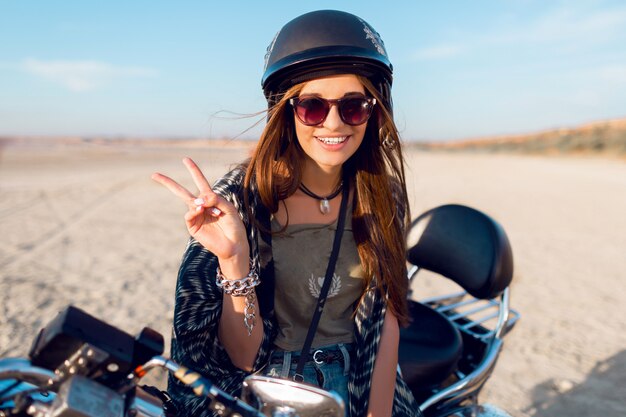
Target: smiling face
[(332, 142)]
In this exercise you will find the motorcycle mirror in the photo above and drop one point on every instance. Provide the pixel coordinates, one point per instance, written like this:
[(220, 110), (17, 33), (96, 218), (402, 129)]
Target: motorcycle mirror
[(148, 344)]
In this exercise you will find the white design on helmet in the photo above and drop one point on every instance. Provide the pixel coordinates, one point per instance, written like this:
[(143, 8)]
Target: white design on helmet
[(374, 37), (270, 48)]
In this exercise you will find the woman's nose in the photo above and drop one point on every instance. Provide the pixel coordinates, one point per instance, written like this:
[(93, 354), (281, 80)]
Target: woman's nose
[(333, 119)]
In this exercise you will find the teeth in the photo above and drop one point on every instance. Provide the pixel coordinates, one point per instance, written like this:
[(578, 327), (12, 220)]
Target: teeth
[(333, 141)]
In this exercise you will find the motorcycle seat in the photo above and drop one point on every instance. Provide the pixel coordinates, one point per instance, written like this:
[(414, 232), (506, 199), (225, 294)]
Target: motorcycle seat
[(430, 348), (464, 245)]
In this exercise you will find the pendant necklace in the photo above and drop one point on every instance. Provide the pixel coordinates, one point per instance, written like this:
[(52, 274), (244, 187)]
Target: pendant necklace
[(324, 201)]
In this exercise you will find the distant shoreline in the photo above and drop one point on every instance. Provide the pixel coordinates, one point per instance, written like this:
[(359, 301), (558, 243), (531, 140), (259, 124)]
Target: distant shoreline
[(602, 138), (53, 141)]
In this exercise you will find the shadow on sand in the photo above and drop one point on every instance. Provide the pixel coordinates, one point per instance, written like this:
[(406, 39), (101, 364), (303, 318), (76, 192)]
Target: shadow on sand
[(603, 393)]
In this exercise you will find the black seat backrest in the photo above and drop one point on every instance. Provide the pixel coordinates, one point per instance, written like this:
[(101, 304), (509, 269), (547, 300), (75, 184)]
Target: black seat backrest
[(465, 245)]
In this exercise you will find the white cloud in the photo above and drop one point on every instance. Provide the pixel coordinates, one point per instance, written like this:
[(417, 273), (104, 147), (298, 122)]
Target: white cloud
[(614, 74), (567, 25), (596, 86), (82, 75)]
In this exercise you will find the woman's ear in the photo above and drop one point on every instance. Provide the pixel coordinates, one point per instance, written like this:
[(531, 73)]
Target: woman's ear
[(385, 138)]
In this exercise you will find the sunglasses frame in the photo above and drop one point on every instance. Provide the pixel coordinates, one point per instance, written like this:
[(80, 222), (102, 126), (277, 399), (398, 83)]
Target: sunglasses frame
[(329, 103)]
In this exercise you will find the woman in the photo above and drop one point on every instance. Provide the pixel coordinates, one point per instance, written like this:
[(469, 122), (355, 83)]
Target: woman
[(253, 274)]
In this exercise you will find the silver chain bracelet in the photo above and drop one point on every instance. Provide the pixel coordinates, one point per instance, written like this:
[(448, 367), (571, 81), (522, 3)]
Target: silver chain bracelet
[(238, 287), (249, 313), (242, 287)]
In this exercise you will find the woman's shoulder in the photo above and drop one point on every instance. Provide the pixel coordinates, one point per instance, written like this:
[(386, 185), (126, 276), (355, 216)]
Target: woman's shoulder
[(231, 182), (241, 193), (399, 197)]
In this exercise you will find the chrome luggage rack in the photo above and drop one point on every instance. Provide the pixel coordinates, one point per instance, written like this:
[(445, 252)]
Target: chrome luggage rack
[(482, 319)]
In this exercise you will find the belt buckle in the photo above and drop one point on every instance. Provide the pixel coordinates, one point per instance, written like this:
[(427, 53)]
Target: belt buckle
[(320, 361)]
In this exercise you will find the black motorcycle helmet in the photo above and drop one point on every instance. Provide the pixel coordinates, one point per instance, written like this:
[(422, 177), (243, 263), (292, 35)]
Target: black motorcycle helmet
[(322, 43)]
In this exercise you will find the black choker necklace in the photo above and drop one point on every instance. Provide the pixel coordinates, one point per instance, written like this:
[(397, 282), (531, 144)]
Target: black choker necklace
[(324, 201)]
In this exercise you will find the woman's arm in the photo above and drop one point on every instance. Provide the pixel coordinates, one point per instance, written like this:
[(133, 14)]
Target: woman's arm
[(242, 347), (384, 375), (216, 224)]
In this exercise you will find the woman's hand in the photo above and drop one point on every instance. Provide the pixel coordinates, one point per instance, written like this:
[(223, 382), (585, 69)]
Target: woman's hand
[(210, 219)]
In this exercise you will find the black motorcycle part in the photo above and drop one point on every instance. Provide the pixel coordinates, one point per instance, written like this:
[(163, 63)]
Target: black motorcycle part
[(430, 348), (74, 333), (169, 407), (465, 245)]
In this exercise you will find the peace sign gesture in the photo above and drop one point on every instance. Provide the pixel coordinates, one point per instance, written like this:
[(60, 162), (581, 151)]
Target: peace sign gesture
[(210, 219)]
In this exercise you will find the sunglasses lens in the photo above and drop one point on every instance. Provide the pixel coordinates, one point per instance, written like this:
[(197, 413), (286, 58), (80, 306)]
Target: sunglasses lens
[(312, 111), (355, 111)]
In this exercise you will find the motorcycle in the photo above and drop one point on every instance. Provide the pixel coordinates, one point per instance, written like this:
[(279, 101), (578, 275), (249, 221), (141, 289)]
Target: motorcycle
[(80, 366)]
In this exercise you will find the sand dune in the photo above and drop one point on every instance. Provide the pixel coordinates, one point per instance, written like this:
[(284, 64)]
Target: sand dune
[(84, 224), (605, 138)]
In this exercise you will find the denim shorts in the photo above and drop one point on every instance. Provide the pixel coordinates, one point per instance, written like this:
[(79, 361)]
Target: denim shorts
[(327, 368)]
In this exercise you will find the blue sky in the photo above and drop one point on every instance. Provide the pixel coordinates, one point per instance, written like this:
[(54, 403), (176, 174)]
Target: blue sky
[(163, 68)]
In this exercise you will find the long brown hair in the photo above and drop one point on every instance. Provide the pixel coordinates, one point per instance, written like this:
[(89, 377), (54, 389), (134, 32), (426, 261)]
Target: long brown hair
[(376, 171)]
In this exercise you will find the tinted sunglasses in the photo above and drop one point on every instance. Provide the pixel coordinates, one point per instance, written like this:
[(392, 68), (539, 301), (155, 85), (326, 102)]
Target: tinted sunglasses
[(353, 110)]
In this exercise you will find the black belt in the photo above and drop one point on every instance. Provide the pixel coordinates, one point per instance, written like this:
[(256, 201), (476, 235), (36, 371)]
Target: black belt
[(318, 356)]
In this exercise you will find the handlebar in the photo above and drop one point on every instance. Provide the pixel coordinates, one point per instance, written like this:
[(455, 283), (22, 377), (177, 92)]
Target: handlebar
[(22, 371), (222, 402)]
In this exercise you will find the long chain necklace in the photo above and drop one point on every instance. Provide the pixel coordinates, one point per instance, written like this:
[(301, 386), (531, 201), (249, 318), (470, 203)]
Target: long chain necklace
[(324, 201)]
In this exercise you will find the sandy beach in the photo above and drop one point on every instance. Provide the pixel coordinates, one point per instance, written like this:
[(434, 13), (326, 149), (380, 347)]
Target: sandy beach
[(85, 225)]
